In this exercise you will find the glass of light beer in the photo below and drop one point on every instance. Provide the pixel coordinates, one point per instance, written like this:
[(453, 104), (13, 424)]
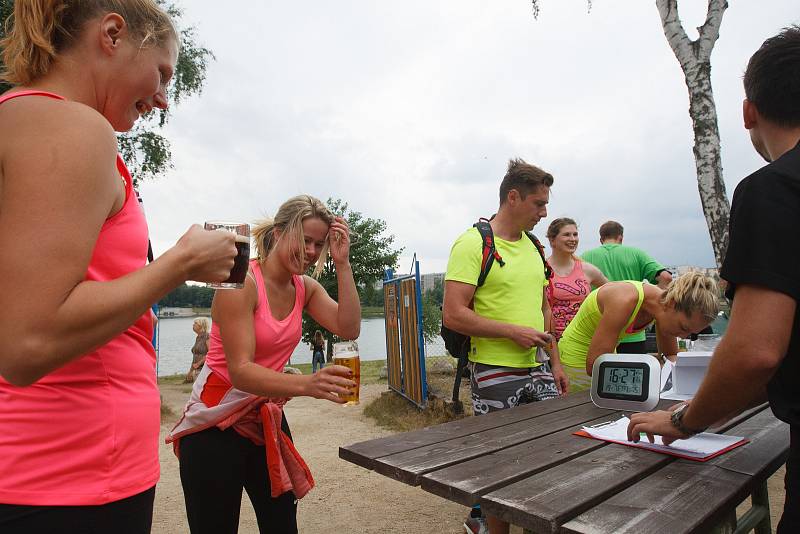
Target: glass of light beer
[(346, 354), (239, 271)]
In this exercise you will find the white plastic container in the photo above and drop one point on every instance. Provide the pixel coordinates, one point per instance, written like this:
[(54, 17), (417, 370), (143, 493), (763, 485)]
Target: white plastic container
[(689, 371), (706, 342)]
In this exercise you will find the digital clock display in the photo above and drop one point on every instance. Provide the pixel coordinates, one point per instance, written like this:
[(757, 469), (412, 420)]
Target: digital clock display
[(623, 380)]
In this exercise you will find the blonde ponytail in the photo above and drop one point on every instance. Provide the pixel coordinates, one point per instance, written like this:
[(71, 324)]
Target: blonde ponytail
[(29, 46), (39, 30), (693, 292)]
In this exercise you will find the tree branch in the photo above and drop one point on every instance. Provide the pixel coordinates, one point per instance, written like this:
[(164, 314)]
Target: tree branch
[(709, 31), (673, 30)]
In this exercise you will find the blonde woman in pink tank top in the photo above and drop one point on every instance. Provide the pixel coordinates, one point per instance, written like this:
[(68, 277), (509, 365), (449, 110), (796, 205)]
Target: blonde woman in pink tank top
[(79, 405), (573, 279), (233, 434)]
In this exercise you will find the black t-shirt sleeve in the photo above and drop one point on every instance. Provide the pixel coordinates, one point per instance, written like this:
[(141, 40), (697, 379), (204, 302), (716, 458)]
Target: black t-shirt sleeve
[(763, 249)]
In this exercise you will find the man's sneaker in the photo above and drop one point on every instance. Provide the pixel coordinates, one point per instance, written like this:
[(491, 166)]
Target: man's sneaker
[(476, 525)]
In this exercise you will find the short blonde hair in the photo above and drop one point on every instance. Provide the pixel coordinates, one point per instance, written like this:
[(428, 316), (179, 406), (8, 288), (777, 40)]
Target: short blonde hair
[(693, 292), (202, 322), (289, 220), (39, 30)]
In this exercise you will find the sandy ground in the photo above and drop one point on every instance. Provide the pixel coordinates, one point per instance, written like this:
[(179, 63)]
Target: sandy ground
[(346, 498)]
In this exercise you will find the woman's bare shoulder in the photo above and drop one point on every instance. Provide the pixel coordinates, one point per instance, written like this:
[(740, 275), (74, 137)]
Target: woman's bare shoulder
[(43, 112), (72, 134), (621, 292)]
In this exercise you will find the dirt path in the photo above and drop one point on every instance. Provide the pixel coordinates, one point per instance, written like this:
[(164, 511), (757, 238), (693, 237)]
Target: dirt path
[(346, 498)]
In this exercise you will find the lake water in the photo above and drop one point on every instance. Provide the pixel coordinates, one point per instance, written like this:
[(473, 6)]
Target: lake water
[(176, 338)]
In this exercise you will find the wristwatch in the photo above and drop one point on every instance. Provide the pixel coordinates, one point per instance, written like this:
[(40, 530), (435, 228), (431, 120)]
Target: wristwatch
[(677, 421)]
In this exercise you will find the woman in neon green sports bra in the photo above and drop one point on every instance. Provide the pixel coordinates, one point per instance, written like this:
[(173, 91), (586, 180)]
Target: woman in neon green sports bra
[(689, 304)]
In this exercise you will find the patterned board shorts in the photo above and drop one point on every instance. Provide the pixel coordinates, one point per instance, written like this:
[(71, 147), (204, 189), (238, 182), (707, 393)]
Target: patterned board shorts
[(498, 388)]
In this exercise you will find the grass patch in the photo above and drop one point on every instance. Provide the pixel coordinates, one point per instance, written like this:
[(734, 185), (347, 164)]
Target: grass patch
[(166, 412), (392, 411), (371, 311), (172, 379)]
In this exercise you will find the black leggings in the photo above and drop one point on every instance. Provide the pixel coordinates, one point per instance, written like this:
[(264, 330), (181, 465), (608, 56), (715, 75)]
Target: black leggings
[(215, 466), (132, 515)]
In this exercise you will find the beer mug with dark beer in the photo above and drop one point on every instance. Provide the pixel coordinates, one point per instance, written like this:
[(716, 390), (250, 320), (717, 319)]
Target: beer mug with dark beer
[(240, 263)]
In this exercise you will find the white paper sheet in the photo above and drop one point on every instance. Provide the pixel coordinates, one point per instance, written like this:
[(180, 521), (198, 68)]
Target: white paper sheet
[(700, 446)]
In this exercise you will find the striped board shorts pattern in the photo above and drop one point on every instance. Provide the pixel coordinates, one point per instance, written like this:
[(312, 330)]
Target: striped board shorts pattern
[(498, 388)]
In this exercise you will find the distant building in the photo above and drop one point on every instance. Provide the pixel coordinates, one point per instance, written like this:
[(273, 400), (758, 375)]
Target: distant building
[(175, 312), (678, 270), (428, 281)]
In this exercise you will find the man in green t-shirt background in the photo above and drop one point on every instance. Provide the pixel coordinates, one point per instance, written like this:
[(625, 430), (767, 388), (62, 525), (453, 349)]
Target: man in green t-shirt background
[(621, 262), (506, 316)]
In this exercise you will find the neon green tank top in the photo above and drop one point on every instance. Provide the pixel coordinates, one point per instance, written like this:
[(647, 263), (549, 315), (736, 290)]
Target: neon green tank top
[(574, 344)]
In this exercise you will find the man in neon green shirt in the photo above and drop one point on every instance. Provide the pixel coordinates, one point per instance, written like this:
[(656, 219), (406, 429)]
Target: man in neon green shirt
[(620, 262), (506, 316)]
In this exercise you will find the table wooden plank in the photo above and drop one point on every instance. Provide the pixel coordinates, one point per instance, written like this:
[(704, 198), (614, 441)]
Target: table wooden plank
[(546, 500), (692, 497), (466, 482), (409, 465), (366, 453)]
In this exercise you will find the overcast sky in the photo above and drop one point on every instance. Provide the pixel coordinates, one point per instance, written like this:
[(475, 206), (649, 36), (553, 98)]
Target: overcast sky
[(410, 111)]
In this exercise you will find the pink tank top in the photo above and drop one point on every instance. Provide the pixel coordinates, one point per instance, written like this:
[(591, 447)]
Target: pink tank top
[(565, 295), (275, 340), (87, 433)]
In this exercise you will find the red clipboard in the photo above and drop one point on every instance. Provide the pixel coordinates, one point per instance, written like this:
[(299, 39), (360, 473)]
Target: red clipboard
[(677, 453)]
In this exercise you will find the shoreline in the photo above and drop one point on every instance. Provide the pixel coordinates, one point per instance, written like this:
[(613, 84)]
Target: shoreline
[(367, 312)]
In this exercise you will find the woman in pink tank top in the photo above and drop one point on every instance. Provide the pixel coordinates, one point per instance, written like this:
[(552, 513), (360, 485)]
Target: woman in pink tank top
[(573, 279), (233, 435), (79, 405)]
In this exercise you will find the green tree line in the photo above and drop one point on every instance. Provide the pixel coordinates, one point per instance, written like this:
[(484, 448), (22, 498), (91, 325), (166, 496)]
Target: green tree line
[(186, 296)]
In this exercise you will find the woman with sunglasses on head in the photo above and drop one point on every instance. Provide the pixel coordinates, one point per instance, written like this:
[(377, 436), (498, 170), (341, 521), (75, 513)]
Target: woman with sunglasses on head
[(79, 404), (572, 278), (233, 434)]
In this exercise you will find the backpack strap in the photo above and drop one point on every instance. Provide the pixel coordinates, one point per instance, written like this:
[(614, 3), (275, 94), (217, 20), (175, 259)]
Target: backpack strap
[(489, 253), (548, 271)]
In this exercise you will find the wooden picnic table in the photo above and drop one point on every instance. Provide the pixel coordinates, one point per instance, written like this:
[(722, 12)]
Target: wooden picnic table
[(525, 466)]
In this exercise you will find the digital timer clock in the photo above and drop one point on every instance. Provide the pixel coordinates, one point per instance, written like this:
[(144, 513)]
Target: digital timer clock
[(628, 382)]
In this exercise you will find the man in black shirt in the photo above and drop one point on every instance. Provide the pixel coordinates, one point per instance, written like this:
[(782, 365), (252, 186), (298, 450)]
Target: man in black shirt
[(759, 356)]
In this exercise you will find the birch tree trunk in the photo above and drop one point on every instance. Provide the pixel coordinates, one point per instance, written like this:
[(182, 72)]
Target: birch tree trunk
[(695, 60)]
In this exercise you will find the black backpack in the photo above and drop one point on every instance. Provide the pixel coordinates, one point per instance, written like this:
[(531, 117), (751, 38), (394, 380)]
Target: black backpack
[(458, 344)]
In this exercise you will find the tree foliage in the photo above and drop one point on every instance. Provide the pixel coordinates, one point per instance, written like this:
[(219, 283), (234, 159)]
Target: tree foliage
[(146, 152), (371, 295), (371, 252), (432, 311), (186, 296)]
